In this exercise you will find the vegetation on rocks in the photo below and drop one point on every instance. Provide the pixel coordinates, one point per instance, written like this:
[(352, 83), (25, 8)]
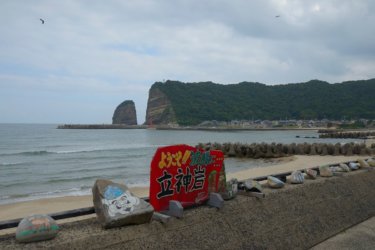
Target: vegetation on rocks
[(194, 103)]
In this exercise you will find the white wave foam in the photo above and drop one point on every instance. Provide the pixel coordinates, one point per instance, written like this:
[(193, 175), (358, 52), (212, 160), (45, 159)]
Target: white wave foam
[(83, 190)]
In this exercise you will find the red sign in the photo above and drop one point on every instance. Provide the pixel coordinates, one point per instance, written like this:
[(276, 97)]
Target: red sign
[(185, 174)]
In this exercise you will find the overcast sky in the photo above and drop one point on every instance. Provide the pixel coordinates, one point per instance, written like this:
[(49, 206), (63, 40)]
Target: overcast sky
[(89, 56)]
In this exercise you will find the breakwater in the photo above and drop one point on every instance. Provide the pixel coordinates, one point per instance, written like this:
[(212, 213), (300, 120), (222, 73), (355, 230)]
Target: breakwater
[(273, 150), (347, 135), (100, 126)]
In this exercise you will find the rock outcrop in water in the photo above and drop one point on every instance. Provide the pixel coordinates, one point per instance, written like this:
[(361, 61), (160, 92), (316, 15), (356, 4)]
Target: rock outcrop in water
[(159, 108), (125, 114)]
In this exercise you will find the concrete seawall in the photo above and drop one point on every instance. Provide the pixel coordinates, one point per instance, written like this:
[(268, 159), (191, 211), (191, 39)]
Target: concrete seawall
[(100, 126), (295, 217)]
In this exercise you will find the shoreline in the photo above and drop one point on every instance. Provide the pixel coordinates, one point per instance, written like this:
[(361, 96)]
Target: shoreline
[(163, 127), (201, 128), (53, 205)]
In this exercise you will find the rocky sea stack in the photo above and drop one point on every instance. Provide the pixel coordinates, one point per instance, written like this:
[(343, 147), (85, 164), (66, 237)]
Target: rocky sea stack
[(125, 114), (159, 108)]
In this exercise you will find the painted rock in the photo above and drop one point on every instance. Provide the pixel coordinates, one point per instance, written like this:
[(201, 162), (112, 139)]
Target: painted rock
[(297, 177), (353, 165), (273, 182), (231, 189), (311, 173), (116, 206), (325, 171), (344, 167), (363, 163), (335, 169), (253, 186), (36, 227), (371, 162)]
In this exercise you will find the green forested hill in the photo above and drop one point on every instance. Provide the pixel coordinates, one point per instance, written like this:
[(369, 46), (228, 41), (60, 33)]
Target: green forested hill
[(197, 102)]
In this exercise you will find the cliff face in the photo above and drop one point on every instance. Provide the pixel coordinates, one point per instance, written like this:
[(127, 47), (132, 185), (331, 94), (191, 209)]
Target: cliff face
[(159, 108), (125, 114)]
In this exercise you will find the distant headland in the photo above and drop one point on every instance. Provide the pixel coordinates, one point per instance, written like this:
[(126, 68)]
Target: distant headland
[(249, 106)]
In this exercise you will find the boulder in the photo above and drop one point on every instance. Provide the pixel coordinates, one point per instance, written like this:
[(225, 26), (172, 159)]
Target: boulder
[(363, 163), (363, 151), (269, 151), (285, 149), (300, 149), (306, 148), (217, 146), (279, 152), (231, 151), (353, 165), (313, 149), (371, 162), (349, 150), (311, 173), (273, 182), (252, 186), (325, 171), (244, 150), (36, 227), (291, 149), (319, 148), (225, 148), (370, 151), (356, 149), (324, 150), (250, 151), (230, 190), (335, 169), (337, 148), (116, 206), (125, 114), (344, 167), (331, 149), (258, 153), (297, 177)]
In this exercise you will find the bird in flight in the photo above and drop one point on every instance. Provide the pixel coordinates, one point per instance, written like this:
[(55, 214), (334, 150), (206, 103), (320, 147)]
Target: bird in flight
[(277, 16), (41, 20)]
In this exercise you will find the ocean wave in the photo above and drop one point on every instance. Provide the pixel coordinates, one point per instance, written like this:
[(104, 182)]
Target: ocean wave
[(79, 151), (9, 164), (76, 191), (99, 150), (29, 153), (87, 170), (75, 179)]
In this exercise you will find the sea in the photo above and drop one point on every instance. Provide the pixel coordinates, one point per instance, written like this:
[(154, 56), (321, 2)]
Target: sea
[(40, 161)]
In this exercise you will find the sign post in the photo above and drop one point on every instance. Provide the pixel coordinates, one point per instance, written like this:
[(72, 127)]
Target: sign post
[(185, 174)]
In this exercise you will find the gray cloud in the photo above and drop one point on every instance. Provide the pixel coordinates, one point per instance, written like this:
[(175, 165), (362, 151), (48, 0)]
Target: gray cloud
[(89, 56)]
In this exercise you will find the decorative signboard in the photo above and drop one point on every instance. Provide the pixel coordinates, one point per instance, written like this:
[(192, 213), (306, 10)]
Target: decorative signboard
[(185, 174)]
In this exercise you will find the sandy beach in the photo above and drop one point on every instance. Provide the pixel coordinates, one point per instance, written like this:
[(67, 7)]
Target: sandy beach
[(52, 205)]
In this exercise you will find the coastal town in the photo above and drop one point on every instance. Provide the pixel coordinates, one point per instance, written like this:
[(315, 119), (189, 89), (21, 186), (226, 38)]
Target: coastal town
[(290, 123)]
